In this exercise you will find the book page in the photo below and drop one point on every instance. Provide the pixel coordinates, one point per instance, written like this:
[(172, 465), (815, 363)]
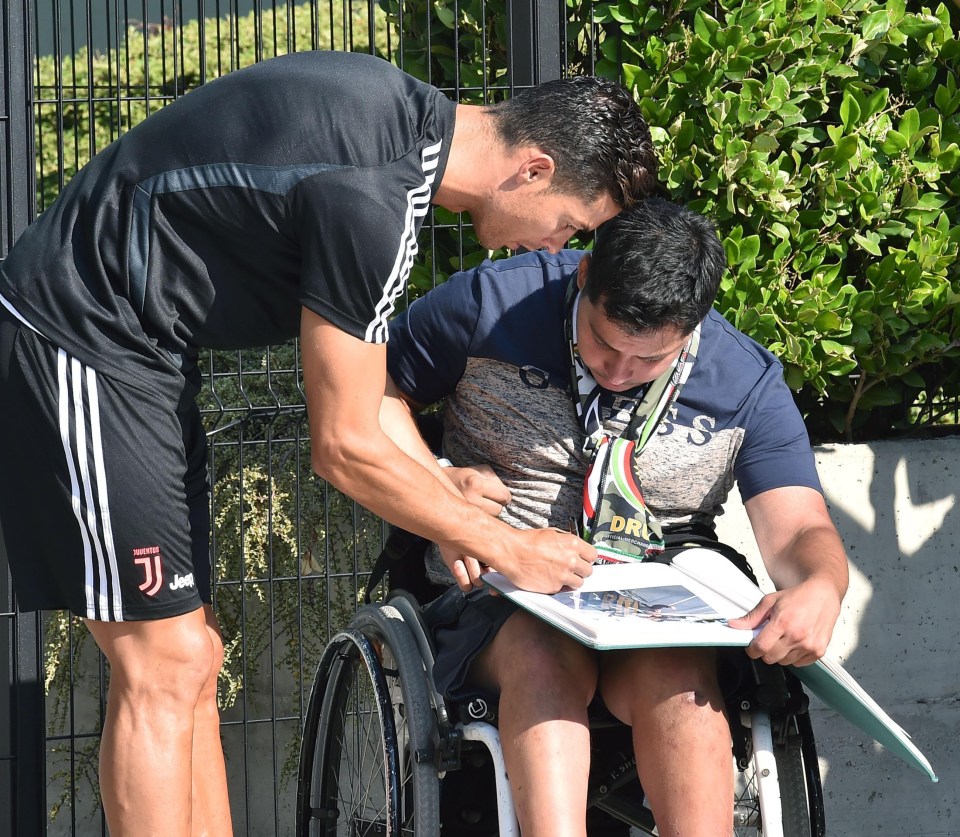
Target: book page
[(635, 605), (716, 572)]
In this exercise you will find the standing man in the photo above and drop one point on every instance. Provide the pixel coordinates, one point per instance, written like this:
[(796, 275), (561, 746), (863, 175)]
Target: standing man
[(279, 200)]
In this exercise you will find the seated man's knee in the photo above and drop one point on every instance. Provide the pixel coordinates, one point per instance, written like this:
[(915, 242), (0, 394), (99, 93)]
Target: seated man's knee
[(528, 654), (641, 680)]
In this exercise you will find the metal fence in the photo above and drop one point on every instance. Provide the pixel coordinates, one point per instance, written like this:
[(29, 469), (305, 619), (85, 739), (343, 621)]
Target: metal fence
[(289, 551)]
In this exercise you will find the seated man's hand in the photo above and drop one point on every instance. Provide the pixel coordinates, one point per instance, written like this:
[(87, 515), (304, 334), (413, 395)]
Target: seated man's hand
[(466, 571), (480, 485), (796, 623)]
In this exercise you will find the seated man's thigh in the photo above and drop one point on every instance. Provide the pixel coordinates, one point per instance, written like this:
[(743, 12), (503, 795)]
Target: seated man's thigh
[(528, 650), (640, 679)]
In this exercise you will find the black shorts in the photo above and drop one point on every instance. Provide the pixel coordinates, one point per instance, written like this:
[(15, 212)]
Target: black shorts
[(104, 499), (464, 624)]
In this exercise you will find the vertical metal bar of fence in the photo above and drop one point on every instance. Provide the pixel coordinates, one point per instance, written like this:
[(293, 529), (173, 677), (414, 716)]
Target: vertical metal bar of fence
[(22, 783), (28, 736), (7, 762), (22, 797), (534, 41), (17, 201)]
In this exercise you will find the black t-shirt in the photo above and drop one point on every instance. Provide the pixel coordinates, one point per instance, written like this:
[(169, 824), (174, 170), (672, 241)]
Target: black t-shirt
[(302, 180)]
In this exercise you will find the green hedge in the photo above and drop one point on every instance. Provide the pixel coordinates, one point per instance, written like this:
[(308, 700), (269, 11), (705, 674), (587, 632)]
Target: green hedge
[(822, 137)]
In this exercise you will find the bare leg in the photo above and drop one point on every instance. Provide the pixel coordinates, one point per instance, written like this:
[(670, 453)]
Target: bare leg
[(211, 803), (159, 672), (546, 682), (680, 735)]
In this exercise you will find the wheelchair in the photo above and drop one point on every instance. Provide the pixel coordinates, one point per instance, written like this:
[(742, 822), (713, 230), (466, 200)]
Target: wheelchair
[(384, 754)]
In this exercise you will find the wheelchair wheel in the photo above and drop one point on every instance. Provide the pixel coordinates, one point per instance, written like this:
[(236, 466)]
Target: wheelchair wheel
[(366, 762), (795, 811)]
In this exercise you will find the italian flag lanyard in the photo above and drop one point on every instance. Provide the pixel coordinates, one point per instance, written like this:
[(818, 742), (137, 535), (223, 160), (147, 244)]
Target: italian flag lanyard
[(614, 511)]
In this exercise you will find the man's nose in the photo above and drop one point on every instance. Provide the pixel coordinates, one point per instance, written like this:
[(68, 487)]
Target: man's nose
[(617, 370), (555, 243)]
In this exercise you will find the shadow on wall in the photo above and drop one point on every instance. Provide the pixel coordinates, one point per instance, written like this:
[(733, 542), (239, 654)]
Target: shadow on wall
[(897, 507)]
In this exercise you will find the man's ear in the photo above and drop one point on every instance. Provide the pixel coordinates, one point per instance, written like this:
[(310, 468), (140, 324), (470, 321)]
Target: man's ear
[(582, 270), (537, 167)]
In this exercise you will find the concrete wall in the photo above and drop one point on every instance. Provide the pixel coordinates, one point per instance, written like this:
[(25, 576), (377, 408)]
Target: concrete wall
[(896, 507)]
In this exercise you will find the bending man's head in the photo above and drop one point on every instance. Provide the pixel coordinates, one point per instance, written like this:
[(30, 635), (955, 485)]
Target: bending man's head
[(593, 130)]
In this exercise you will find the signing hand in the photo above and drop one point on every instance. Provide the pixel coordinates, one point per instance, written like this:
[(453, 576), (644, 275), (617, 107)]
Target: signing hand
[(546, 560)]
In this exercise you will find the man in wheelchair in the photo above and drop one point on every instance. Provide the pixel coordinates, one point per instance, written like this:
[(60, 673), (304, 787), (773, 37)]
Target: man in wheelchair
[(543, 364)]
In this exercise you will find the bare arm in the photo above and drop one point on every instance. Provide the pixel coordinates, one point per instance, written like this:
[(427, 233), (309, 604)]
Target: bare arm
[(804, 556), (345, 381), (478, 484), (397, 418)]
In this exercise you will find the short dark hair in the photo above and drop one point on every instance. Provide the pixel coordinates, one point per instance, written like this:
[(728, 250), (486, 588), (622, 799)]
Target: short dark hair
[(593, 130), (656, 264)]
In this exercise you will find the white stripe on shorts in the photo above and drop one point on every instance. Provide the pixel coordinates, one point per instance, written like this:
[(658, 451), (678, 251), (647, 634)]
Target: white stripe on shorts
[(89, 490)]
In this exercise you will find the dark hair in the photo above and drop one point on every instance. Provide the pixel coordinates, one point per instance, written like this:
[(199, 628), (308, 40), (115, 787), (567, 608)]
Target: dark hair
[(593, 130), (656, 264)]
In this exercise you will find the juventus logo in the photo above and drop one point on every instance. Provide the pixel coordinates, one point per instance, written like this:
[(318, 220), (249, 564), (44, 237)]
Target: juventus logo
[(152, 567)]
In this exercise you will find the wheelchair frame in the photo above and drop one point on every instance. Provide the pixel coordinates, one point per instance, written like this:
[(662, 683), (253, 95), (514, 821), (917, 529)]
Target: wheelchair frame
[(379, 741)]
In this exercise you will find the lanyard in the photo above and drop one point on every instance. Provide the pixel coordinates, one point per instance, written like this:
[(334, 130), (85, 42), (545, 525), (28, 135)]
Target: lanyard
[(614, 511)]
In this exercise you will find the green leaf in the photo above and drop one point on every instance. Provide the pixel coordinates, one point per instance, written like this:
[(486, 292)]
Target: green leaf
[(948, 159), (445, 15), (705, 26), (876, 24), (635, 77), (827, 321), (780, 231), (918, 26), (868, 244), (914, 379), (910, 123), (894, 142), (685, 134), (849, 111), (847, 148), (947, 101), (932, 200), (749, 248)]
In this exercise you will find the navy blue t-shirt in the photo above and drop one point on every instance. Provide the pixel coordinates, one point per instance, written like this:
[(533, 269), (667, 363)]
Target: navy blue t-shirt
[(492, 343)]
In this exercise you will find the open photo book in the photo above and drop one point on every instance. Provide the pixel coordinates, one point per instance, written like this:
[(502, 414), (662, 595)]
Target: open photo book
[(631, 604)]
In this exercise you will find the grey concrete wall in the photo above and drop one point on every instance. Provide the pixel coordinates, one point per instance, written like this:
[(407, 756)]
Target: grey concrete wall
[(896, 507)]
